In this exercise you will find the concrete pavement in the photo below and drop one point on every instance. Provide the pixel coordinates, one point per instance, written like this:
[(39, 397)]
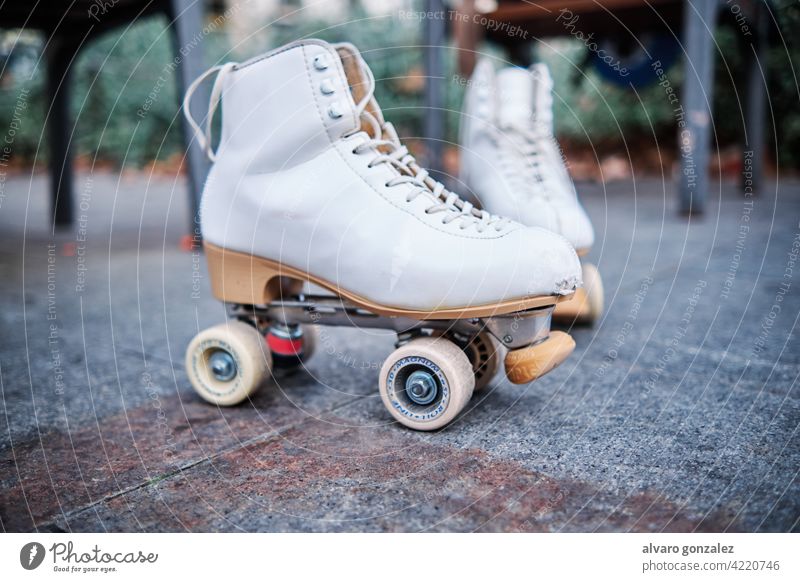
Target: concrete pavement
[(678, 411)]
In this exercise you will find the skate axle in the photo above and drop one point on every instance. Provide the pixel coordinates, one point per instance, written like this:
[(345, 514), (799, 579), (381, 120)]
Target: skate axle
[(424, 384), (514, 330)]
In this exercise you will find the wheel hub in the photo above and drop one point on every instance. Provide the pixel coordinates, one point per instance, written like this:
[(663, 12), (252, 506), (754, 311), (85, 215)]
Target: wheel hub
[(222, 366), (421, 387)]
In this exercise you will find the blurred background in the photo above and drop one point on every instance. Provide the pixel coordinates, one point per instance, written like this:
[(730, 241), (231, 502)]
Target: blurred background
[(599, 121)]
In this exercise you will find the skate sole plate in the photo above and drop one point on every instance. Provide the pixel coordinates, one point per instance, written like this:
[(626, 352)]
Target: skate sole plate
[(249, 280)]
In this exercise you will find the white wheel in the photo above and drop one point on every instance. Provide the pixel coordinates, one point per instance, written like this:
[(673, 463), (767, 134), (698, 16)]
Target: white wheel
[(291, 346), (594, 291), (425, 383), (227, 362), (484, 357), (310, 341)]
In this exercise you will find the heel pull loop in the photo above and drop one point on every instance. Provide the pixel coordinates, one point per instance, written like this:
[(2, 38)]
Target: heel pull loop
[(203, 135)]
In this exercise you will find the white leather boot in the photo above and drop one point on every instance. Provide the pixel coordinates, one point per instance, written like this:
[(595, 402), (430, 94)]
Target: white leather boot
[(309, 176), (512, 165), (310, 184)]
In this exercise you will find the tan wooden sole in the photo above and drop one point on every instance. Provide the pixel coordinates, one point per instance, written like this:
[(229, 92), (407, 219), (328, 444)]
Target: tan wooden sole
[(527, 364), (578, 310), (249, 280), (587, 303)]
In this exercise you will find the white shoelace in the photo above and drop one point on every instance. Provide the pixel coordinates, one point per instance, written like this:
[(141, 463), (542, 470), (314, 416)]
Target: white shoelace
[(204, 136), (530, 159), (390, 151)]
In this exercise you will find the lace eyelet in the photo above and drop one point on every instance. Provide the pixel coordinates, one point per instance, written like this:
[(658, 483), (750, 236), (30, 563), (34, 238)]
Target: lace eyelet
[(335, 111), (326, 87), (386, 185), (321, 62)]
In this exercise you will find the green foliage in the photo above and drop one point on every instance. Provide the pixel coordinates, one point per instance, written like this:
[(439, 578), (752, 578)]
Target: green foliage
[(391, 48), (126, 105), (124, 100), (589, 110), (592, 112), (21, 100), (114, 79), (784, 95)]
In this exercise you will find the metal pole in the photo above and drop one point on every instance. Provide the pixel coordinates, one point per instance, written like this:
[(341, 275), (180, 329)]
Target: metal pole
[(698, 94), (58, 126), (187, 22), (434, 94), (754, 147)]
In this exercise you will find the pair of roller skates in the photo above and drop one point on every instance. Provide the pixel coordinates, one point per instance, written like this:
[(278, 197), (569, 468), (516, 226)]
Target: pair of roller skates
[(312, 187)]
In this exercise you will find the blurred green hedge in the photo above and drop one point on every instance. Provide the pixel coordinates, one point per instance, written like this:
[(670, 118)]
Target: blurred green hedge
[(121, 72)]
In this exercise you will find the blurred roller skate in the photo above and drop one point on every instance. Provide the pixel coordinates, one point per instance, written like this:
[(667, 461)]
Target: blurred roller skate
[(513, 166)]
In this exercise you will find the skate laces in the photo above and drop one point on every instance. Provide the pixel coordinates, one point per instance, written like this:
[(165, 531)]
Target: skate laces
[(384, 141), (203, 135), (382, 138), (529, 156)]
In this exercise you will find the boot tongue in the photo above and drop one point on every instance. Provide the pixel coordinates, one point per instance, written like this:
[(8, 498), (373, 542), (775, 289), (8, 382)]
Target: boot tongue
[(542, 95), (515, 97)]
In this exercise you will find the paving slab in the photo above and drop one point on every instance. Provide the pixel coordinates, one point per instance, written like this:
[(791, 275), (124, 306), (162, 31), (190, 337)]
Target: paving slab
[(678, 411)]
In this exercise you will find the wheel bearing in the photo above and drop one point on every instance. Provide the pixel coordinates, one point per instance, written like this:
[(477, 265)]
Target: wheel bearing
[(222, 365)]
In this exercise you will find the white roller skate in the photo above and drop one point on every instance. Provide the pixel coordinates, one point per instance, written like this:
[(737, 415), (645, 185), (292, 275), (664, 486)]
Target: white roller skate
[(513, 166), (311, 185)]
